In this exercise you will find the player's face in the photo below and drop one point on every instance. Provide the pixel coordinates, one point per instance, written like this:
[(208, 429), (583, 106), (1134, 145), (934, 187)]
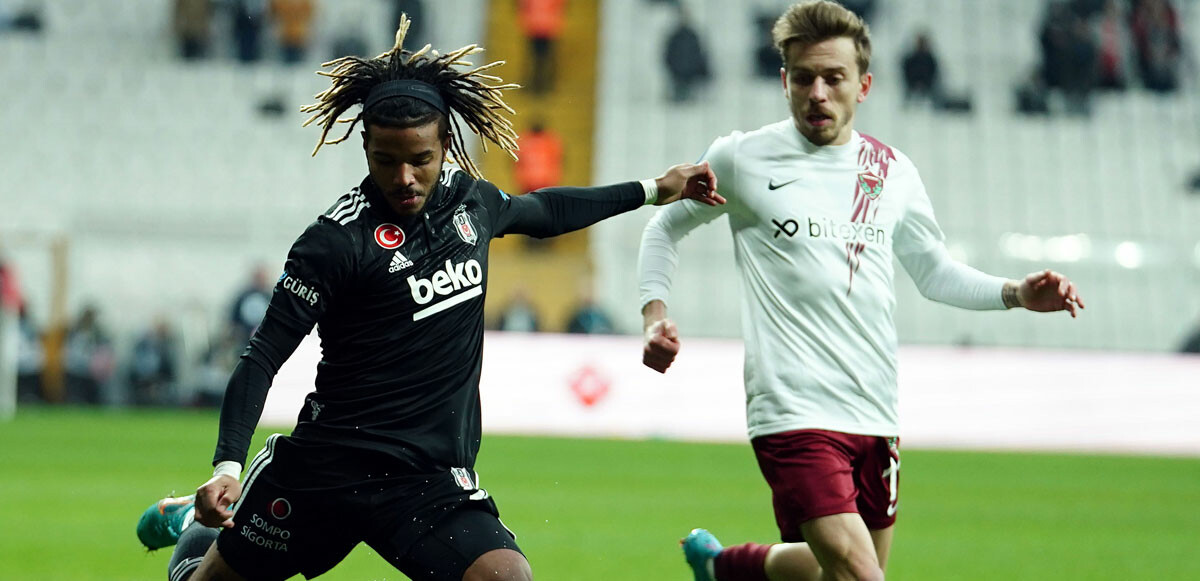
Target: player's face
[(405, 164), (823, 87)]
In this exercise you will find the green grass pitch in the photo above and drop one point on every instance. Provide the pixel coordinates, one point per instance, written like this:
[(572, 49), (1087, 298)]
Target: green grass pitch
[(73, 482)]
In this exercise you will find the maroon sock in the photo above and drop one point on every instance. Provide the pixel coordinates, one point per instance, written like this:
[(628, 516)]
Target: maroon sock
[(746, 562)]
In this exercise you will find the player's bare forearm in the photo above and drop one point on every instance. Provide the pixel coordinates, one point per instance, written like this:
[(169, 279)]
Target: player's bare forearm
[(653, 312)]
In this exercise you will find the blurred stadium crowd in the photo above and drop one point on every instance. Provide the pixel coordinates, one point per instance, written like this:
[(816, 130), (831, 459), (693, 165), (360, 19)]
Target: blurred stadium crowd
[(150, 181)]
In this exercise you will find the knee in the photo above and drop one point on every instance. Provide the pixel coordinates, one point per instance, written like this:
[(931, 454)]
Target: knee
[(520, 572), (870, 573), (855, 569), (505, 566)]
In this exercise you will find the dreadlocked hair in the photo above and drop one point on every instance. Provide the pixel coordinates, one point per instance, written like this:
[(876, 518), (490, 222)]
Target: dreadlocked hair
[(471, 95)]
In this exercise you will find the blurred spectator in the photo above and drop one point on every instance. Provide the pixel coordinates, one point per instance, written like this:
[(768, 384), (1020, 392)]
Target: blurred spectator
[(1032, 95), (685, 59), (588, 316), (216, 365), (1192, 343), (10, 338), (1156, 37), (863, 8), (1079, 78), (152, 369), (1111, 30), (249, 308), (767, 61), (249, 17), (31, 359), (1052, 38), (90, 360), (417, 27), (349, 41), (1086, 9), (294, 20), (519, 314), (920, 66), (1069, 57), (10, 288), (192, 23), (542, 21), (27, 18), (540, 164)]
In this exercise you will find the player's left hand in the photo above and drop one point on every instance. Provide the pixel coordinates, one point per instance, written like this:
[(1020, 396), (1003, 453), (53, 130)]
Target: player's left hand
[(1048, 291), (690, 181)]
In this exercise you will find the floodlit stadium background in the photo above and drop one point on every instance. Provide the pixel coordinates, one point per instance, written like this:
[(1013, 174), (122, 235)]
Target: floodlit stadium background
[(151, 188)]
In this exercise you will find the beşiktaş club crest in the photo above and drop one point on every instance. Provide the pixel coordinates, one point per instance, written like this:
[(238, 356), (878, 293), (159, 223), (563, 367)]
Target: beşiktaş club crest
[(871, 184), (464, 226)]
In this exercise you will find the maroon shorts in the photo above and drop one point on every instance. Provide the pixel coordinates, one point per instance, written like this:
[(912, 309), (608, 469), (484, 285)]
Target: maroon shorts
[(815, 473)]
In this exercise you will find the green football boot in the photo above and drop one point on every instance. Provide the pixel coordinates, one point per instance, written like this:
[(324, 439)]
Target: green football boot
[(162, 523), (700, 547)]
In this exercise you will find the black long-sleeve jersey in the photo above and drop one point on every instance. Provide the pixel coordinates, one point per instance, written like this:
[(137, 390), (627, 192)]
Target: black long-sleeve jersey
[(398, 304)]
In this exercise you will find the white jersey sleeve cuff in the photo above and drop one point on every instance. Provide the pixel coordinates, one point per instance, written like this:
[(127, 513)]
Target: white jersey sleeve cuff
[(228, 468), (651, 189)]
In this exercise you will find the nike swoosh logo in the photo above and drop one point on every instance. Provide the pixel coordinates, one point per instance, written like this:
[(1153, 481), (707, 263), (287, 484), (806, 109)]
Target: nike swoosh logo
[(774, 186)]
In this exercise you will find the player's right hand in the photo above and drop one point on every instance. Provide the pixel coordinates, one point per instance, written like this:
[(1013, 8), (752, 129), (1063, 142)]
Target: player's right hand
[(214, 498), (660, 345), (688, 181)]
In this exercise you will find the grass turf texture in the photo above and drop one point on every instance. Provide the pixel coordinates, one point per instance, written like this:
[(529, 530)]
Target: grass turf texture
[(73, 482)]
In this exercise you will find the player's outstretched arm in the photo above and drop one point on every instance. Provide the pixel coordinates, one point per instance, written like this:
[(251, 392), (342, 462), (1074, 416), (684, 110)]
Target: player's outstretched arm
[(1044, 291), (561, 209), (688, 181), (214, 498), (660, 339)]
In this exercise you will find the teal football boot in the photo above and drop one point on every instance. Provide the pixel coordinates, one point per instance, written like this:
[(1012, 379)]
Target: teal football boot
[(700, 547), (162, 523)]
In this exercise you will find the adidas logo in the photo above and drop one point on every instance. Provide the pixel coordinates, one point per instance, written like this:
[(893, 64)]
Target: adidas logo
[(399, 262)]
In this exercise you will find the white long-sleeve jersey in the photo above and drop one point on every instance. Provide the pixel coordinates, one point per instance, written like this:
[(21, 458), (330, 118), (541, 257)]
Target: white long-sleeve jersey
[(814, 233)]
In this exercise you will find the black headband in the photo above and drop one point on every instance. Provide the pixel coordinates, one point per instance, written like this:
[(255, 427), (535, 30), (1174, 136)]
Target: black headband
[(405, 88)]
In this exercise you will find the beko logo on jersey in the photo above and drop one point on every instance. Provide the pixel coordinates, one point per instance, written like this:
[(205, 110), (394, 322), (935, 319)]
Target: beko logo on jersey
[(300, 289), (826, 228), (446, 281)]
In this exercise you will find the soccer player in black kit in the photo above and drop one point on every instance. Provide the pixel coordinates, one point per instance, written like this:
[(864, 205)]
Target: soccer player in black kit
[(393, 275)]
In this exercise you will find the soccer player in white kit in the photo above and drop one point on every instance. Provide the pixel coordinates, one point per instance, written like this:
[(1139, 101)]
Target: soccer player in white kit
[(818, 211)]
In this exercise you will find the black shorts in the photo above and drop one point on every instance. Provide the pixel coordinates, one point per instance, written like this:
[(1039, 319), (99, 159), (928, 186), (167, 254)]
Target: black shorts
[(305, 507)]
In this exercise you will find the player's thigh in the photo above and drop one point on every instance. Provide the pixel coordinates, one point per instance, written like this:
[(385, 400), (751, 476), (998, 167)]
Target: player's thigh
[(843, 546), (811, 475), (469, 540), (214, 568), (883, 545), (877, 479)]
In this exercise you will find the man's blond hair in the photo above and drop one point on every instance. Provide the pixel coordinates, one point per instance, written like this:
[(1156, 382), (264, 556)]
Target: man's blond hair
[(811, 22)]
